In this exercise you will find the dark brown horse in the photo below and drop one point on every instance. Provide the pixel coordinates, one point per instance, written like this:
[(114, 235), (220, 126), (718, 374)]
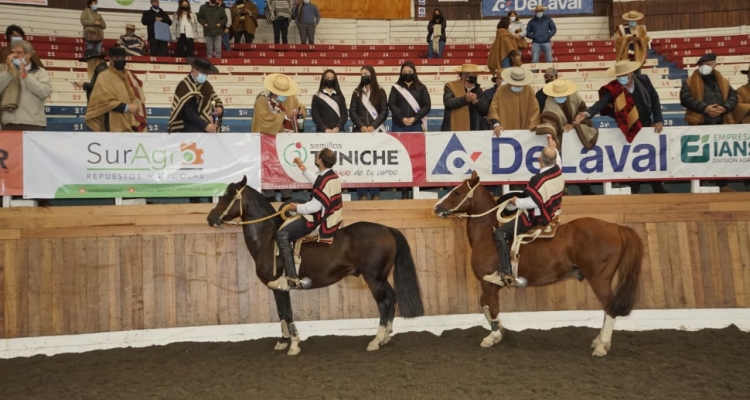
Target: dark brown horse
[(363, 248), (585, 248)]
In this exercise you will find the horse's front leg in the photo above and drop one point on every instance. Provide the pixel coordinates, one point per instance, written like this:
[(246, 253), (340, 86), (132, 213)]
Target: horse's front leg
[(490, 301), (289, 334)]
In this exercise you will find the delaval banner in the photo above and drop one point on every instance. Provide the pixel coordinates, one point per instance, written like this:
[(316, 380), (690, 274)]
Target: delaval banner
[(525, 8), (363, 159), (170, 6), (701, 152), (107, 165), (513, 157)]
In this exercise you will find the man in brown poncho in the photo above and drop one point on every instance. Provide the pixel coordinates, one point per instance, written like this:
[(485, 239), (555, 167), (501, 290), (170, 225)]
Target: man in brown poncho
[(117, 102), (464, 101), (514, 105), (500, 53), (632, 41), (562, 105), (195, 106), (742, 111)]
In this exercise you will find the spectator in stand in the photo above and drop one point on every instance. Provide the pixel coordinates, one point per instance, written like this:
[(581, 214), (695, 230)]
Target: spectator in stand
[(93, 26), (487, 96), (244, 21), (132, 43), (502, 48), (517, 30), (708, 99), (563, 105), (118, 103), (214, 20), (280, 12), (514, 106), (540, 30), (464, 101), (151, 17), (631, 40), (307, 16), (632, 101), (368, 111), (227, 35), (14, 33), (277, 110), (95, 64), (184, 29), (436, 34), (741, 113), (328, 106), (550, 74), (409, 101), (195, 104), (24, 86)]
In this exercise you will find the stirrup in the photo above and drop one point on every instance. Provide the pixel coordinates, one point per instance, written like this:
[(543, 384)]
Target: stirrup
[(501, 280), (281, 284)]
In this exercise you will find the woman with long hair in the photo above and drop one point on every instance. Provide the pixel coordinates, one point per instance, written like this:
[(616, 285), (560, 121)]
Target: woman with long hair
[(328, 105), (409, 101), (184, 29), (368, 111), (502, 48), (436, 34), (517, 30)]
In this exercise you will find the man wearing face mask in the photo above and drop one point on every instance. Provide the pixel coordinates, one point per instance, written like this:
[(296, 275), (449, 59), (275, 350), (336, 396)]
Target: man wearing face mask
[(514, 106), (464, 101), (24, 86), (157, 46), (118, 103), (632, 41), (550, 74), (214, 20), (540, 30), (308, 17), (741, 113), (14, 33), (632, 101), (132, 43), (195, 106)]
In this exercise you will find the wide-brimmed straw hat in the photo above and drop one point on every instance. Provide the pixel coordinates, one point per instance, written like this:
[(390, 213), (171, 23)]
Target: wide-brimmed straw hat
[(560, 88), (623, 67), (202, 64), (280, 84), (130, 26), (468, 68), (538, 8), (632, 15), (517, 76)]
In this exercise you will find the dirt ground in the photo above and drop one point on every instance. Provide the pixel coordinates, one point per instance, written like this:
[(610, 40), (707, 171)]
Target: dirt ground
[(555, 364)]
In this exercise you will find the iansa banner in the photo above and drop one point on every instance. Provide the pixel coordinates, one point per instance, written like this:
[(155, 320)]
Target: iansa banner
[(96, 165)]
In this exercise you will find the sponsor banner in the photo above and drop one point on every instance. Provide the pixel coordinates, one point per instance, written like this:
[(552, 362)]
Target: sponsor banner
[(363, 159), (525, 8), (513, 157), (26, 2), (698, 152), (11, 163), (96, 165), (169, 6)]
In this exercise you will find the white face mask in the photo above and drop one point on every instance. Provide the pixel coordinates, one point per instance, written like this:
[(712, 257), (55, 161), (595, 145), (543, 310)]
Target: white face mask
[(705, 69), (539, 14), (512, 19)]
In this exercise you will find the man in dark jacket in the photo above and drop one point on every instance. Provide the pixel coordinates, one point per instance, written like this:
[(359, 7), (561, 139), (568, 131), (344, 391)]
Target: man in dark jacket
[(214, 20), (149, 18), (464, 101), (550, 74), (540, 30)]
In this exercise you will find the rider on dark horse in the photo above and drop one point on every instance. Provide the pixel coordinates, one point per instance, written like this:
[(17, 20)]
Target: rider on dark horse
[(541, 198), (323, 211)]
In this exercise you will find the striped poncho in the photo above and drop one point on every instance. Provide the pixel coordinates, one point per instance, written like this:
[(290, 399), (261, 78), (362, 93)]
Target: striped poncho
[(186, 90)]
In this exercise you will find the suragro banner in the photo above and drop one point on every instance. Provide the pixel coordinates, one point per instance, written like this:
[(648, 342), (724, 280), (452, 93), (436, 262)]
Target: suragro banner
[(107, 165), (525, 8), (702, 152), (363, 159), (512, 158), (169, 6)]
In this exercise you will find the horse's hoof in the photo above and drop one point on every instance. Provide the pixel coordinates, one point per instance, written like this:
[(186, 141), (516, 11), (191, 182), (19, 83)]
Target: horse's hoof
[(599, 351), (373, 346), (385, 341), (486, 343), (281, 345), (293, 351)]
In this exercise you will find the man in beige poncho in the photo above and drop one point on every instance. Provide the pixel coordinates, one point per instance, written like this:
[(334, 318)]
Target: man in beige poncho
[(631, 40), (514, 105)]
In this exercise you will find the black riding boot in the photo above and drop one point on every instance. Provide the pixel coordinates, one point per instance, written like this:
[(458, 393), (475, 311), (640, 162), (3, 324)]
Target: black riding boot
[(504, 274), (286, 251)]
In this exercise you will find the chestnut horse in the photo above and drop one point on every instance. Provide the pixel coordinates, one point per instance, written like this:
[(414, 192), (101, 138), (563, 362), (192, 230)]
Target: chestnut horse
[(585, 248), (362, 248)]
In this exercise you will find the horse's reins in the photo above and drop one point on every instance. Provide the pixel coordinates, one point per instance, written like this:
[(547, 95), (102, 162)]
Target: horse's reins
[(468, 196), (238, 196)]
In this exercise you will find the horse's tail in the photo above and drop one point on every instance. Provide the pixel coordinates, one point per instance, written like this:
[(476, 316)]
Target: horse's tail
[(405, 279), (628, 271)]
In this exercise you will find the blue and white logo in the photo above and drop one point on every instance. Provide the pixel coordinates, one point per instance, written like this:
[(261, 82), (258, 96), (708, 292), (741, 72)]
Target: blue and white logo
[(455, 160)]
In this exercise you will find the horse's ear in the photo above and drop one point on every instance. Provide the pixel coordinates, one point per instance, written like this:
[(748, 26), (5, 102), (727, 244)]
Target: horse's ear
[(243, 182), (474, 177)]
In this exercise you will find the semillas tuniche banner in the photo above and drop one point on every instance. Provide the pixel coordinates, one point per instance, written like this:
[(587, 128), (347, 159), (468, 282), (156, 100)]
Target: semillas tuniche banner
[(107, 165), (363, 159)]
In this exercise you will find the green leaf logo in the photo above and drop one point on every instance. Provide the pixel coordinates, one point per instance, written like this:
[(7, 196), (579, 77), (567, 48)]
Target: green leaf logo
[(704, 139)]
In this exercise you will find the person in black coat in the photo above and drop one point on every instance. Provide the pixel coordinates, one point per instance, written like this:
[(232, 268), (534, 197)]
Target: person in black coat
[(102, 66), (464, 99), (437, 19), (328, 108), (152, 15), (363, 119), (405, 117)]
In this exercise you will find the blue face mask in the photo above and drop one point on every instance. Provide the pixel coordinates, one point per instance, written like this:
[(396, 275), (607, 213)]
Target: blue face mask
[(516, 89), (94, 7), (14, 39), (539, 14), (632, 24), (201, 78), (17, 62), (560, 100), (623, 80), (281, 99)]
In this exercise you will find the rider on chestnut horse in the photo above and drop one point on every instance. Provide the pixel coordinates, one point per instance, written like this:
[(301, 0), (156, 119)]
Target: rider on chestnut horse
[(542, 198), (323, 211)]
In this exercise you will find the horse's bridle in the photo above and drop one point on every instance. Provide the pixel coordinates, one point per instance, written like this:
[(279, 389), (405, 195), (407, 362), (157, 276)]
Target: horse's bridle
[(238, 196), (468, 196)]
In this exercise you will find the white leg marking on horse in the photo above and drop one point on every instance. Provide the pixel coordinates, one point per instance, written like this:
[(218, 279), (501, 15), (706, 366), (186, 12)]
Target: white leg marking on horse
[(285, 334), (379, 338), (294, 348), (388, 332), (495, 336), (603, 342)]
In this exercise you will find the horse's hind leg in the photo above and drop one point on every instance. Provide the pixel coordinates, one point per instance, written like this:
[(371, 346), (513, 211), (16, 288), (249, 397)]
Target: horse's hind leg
[(289, 334), (603, 290), (380, 293), (490, 301), (391, 311)]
